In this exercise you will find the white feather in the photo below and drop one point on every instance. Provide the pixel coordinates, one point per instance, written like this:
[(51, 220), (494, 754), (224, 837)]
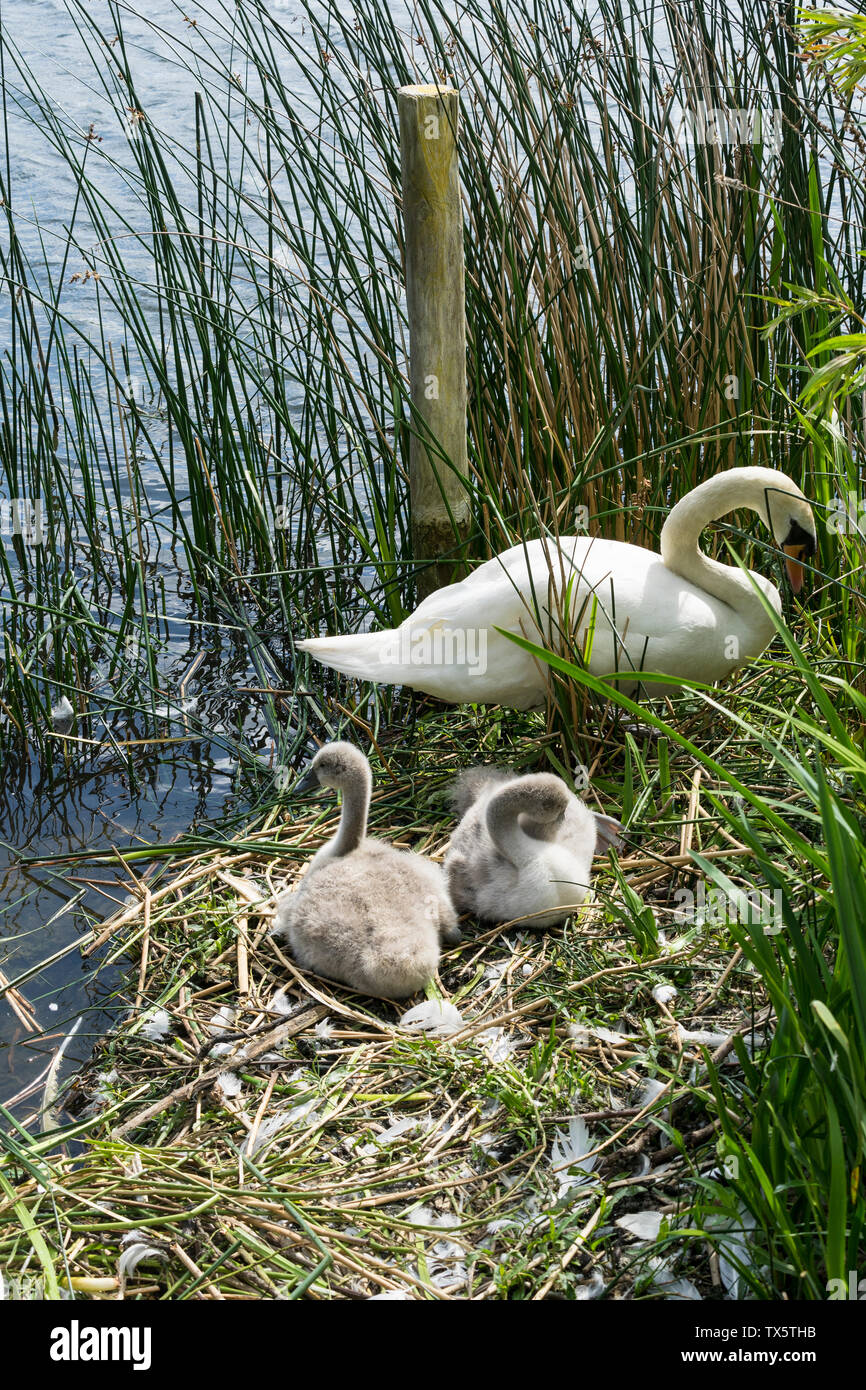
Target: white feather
[(156, 1025), (736, 1245), (221, 1022), (434, 1018), (137, 1248), (571, 1149), (62, 712), (645, 1225), (701, 1038), (663, 994)]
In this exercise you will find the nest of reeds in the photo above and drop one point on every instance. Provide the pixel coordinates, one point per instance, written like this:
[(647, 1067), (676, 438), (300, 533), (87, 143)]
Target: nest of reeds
[(254, 1132)]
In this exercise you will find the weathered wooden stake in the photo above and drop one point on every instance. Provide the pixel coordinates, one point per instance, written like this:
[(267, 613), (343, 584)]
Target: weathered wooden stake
[(436, 302)]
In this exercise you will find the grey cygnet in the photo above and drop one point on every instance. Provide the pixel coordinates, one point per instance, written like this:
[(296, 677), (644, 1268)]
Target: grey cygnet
[(366, 914), (523, 849)]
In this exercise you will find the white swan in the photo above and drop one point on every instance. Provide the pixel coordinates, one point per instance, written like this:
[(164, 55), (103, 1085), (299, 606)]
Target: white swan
[(523, 848), (365, 913), (677, 613)]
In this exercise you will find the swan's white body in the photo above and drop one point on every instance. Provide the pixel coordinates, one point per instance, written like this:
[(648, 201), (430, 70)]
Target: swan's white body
[(677, 613)]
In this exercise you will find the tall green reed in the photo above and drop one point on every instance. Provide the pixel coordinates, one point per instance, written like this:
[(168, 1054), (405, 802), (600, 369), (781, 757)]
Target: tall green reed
[(242, 410)]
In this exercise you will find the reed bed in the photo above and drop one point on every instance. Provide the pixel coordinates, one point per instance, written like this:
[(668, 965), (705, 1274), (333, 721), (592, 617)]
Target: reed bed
[(264, 1134), (206, 384), (586, 1131)]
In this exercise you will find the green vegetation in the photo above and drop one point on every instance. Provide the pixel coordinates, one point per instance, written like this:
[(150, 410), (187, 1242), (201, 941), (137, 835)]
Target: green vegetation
[(642, 311)]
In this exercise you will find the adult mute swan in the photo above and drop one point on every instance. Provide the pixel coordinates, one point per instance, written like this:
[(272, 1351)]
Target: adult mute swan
[(523, 849), (677, 613), (365, 913)]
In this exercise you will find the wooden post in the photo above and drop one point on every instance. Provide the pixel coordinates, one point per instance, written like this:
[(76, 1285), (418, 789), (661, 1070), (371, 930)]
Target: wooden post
[(436, 303)]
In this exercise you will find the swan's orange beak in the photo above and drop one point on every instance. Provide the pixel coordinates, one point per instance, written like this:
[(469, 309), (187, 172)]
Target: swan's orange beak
[(794, 555)]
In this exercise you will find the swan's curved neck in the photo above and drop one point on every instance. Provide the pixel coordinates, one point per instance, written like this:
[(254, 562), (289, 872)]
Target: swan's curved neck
[(681, 533), (503, 821), (353, 817)]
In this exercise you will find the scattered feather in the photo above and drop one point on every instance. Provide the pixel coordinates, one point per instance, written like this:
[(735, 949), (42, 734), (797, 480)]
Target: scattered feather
[(498, 1044), (137, 1247), (281, 1004), (156, 1025), (50, 1114), (62, 714), (495, 970), (571, 1149), (645, 1225), (391, 1296), (101, 1094), (324, 1028), (672, 1287), (445, 1259), (229, 1084), (421, 1216), (221, 1022), (593, 1289), (390, 1135), (701, 1038), (272, 1125), (582, 1035), (663, 994), (736, 1245), (649, 1091), (434, 1019)]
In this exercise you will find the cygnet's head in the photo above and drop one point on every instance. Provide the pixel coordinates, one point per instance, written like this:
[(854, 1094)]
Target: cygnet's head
[(336, 765), (542, 797)]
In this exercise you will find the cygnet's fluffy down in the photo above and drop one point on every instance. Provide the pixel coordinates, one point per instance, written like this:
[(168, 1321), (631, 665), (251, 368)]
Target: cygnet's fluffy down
[(523, 848), (366, 914)]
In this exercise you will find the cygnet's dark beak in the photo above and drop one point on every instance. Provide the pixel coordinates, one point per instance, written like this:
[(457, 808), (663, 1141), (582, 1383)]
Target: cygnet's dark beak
[(307, 782)]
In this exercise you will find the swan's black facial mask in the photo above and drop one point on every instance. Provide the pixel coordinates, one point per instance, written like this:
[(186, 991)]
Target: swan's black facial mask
[(798, 545)]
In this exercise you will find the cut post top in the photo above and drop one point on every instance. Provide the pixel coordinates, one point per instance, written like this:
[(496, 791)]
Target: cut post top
[(427, 89)]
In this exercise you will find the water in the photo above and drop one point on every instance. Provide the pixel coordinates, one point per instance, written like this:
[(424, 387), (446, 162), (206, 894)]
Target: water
[(88, 799)]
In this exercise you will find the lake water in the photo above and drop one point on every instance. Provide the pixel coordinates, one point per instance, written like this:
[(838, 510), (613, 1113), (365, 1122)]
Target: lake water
[(95, 799), (89, 802)]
